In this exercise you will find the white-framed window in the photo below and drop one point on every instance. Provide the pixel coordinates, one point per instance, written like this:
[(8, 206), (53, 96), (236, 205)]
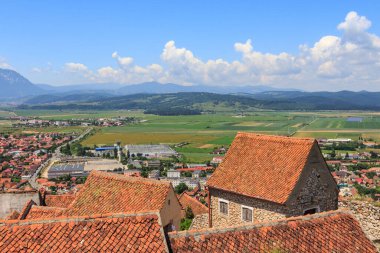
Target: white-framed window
[(223, 206), (311, 210), (247, 213)]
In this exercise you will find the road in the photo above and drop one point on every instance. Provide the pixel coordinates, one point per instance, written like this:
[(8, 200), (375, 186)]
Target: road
[(56, 156)]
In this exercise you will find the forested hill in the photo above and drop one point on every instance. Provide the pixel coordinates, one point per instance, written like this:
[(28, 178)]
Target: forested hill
[(197, 102)]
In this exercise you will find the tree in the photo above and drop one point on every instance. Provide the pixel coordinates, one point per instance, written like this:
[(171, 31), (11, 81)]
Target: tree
[(333, 154), (180, 188), (189, 213)]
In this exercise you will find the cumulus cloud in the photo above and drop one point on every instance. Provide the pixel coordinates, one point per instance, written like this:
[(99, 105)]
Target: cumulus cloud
[(348, 61), (75, 67)]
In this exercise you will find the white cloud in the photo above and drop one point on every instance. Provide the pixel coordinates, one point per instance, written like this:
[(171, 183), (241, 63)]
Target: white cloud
[(348, 61), (354, 23), (75, 67)]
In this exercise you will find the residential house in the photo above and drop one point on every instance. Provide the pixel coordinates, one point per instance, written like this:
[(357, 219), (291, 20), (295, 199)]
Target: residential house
[(270, 177), (173, 174)]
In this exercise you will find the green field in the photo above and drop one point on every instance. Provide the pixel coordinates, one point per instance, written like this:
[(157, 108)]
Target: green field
[(204, 132)]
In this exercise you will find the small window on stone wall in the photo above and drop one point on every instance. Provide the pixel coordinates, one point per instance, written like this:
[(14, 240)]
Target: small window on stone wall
[(247, 213), (223, 207), (311, 211)]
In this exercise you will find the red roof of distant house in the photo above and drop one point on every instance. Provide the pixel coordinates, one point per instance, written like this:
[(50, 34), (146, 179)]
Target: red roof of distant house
[(324, 232), (107, 192), (263, 166), (196, 206), (195, 169), (134, 232)]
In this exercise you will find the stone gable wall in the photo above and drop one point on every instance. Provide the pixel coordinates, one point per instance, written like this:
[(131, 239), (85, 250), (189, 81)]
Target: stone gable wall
[(315, 193)]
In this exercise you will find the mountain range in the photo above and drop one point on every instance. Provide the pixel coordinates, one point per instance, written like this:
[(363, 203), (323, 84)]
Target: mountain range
[(15, 86), (166, 98)]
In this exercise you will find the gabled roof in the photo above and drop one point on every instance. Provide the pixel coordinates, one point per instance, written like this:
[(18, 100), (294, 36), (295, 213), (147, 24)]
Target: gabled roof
[(135, 232), (262, 166), (196, 206), (111, 193), (59, 200), (324, 232)]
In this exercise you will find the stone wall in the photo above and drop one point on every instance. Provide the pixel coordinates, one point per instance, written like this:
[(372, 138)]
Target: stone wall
[(315, 193), (262, 210), (367, 214), (200, 221), (10, 201)]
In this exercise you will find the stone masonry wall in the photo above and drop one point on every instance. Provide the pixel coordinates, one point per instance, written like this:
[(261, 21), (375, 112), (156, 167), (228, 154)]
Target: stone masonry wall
[(200, 221), (261, 210), (10, 201), (367, 214), (315, 193)]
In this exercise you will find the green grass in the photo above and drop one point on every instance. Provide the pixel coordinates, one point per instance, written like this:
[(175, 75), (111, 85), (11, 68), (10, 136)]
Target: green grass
[(203, 132)]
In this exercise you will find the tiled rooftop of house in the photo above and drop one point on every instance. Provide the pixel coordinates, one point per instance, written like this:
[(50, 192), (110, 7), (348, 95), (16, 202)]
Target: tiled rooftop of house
[(196, 206), (255, 163), (38, 212), (59, 200), (325, 232), (111, 193), (135, 232)]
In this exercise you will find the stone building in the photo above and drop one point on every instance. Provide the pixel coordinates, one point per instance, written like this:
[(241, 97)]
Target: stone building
[(270, 177)]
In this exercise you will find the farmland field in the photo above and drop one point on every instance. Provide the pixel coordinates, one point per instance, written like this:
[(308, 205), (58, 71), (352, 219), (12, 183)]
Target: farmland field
[(204, 132)]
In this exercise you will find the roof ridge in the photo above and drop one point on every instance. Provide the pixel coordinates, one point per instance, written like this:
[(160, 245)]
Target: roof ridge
[(78, 218), (49, 207), (261, 224), (118, 177), (278, 137)]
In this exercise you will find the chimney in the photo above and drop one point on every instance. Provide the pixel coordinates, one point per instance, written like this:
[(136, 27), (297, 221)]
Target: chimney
[(42, 196)]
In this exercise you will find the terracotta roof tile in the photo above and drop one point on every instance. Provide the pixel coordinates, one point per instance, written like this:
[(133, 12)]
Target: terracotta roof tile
[(196, 206), (324, 232), (111, 193), (255, 163), (59, 200), (37, 212), (13, 215), (140, 232)]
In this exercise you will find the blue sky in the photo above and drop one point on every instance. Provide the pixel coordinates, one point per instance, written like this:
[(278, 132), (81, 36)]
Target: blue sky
[(66, 42)]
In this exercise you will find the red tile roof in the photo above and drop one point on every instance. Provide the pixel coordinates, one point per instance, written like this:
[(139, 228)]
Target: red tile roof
[(324, 232), (262, 166), (139, 232), (111, 193), (13, 215), (196, 206), (59, 200), (37, 212)]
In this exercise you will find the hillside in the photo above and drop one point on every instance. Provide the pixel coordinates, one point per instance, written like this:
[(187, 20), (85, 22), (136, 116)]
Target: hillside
[(12, 85), (197, 102)]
